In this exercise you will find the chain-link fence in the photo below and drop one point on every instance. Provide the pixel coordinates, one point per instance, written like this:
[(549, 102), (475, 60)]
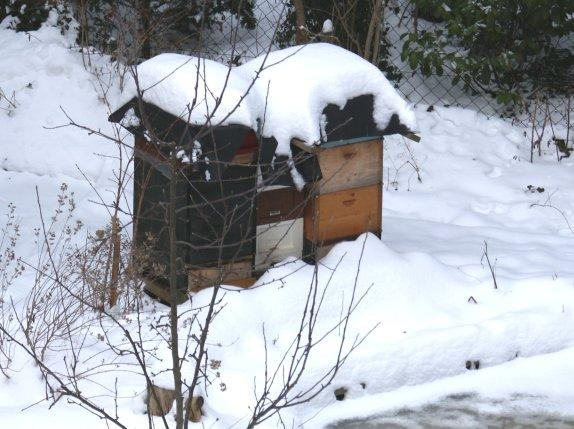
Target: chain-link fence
[(232, 43), (235, 43), (440, 90)]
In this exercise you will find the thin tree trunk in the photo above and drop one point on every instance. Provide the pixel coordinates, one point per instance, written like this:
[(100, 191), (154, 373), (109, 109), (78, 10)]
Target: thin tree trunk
[(116, 243), (371, 42), (145, 14), (300, 36), (174, 343)]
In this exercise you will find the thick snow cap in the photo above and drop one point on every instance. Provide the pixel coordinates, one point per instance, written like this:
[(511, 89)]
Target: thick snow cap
[(286, 90), (297, 83), (192, 89)]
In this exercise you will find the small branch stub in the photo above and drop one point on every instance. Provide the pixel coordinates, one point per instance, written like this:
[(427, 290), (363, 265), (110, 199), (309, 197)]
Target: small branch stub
[(159, 400), (491, 267), (340, 393), (195, 412)]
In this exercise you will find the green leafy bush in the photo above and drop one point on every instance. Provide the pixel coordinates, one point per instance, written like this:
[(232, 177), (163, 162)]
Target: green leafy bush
[(29, 15), (509, 49)]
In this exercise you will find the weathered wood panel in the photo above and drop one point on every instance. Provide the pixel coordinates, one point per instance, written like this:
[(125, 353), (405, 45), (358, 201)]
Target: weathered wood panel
[(159, 400), (350, 166), (343, 214), (246, 153), (222, 217), (231, 273), (279, 205), (313, 252)]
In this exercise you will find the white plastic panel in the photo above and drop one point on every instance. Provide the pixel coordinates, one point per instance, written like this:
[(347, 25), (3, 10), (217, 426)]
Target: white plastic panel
[(277, 241)]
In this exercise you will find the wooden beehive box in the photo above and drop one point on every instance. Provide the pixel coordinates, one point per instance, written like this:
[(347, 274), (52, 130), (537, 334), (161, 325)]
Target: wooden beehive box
[(347, 201), (279, 225)]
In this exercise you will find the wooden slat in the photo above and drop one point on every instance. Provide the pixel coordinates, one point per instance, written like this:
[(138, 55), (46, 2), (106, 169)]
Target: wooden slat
[(278, 205), (243, 158), (201, 278), (412, 136), (157, 291), (244, 283), (303, 146), (350, 166), (318, 251), (343, 214)]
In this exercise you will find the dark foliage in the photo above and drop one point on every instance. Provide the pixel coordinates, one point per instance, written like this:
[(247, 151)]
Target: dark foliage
[(351, 35), (31, 14), (158, 25), (508, 49)]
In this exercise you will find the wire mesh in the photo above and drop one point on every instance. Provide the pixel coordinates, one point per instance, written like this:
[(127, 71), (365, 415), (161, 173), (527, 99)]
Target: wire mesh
[(235, 44)]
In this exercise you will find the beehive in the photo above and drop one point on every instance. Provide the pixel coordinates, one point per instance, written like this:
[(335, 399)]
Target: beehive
[(279, 225), (347, 201)]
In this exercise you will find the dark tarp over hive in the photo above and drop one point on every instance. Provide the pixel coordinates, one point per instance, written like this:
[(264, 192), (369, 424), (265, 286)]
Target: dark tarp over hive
[(355, 120)]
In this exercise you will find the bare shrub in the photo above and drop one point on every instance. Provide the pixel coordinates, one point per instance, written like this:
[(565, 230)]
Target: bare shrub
[(10, 269)]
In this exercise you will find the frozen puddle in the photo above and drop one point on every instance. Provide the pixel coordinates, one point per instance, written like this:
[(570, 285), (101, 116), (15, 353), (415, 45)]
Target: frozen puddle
[(465, 411)]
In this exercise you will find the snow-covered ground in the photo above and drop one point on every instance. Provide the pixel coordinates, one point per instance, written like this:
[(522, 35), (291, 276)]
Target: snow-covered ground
[(532, 392), (418, 280)]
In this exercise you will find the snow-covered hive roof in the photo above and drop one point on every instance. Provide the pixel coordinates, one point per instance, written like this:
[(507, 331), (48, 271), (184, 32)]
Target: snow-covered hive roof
[(172, 82), (297, 83), (287, 90)]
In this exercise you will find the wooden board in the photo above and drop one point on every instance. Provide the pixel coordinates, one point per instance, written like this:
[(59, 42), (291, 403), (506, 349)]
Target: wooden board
[(221, 217), (350, 166), (313, 252), (233, 272), (244, 283), (278, 241), (343, 214), (246, 153), (278, 205), (159, 289)]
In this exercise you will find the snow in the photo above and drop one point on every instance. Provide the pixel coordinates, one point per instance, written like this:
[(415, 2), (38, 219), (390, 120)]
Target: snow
[(38, 72), (418, 279), (130, 119), (197, 90), (295, 83), (327, 26), (524, 386), (428, 328), (299, 82)]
